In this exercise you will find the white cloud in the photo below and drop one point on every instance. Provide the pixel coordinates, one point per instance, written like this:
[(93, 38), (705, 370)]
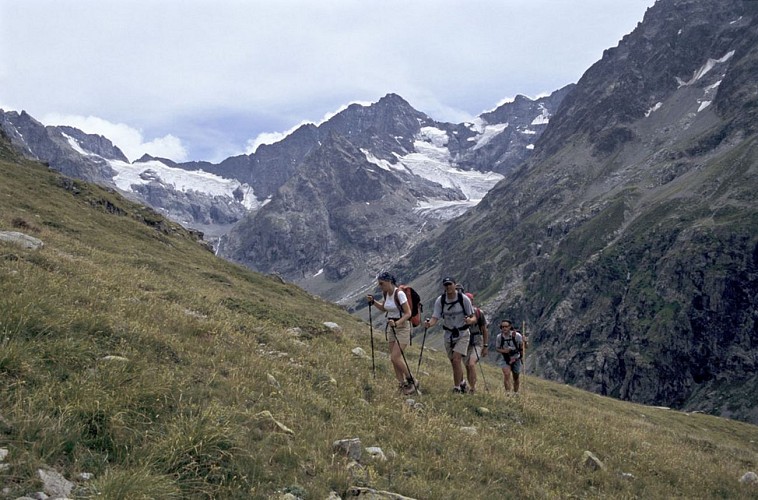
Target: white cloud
[(128, 139), (272, 137), (266, 138), (167, 66)]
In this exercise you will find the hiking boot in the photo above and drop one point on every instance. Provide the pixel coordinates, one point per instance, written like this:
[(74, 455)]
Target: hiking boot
[(464, 387), (409, 388)]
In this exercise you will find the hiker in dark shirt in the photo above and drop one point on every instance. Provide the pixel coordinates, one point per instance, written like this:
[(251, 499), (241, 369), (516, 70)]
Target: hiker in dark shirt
[(510, 344)]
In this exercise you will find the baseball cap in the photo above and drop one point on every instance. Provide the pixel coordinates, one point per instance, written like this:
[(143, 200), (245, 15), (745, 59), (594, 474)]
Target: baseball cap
[(447, 280)]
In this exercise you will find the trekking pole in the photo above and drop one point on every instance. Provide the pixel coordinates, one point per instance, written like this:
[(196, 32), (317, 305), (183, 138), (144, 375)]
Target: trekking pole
[(415, 382), (421, 354), (481, 368), (523, 344), (371, 327)]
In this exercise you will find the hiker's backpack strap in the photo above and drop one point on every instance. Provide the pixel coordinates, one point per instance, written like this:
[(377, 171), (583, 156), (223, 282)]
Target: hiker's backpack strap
[(458, 301)]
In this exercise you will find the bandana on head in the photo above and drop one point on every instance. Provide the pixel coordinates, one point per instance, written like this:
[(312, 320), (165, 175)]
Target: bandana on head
[(385, 276)]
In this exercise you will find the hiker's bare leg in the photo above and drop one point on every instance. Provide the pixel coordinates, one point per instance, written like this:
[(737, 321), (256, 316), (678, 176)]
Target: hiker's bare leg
[(457, 368), (516, 377), (396, 356), (507, 379), (471, 372)]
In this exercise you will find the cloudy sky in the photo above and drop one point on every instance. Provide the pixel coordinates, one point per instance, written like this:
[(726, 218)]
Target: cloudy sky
[(207, 79)]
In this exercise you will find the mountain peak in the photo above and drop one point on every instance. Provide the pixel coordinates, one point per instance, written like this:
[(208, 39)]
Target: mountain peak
[(393, 99)]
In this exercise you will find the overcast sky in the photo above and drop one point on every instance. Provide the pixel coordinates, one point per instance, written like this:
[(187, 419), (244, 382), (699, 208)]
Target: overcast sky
[(207, 79)]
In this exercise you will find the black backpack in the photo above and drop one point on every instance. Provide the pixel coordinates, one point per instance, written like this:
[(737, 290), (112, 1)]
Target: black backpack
[(511, 339)]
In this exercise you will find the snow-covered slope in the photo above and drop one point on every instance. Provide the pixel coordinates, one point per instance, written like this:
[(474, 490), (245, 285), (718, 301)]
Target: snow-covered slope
[(432, 161), (130, 175)]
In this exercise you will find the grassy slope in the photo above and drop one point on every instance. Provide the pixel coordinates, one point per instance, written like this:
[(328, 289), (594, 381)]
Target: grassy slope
[(201, 335)]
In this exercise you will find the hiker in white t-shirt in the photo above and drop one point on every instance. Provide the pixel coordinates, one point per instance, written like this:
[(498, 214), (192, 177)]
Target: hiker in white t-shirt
[(397, 309)]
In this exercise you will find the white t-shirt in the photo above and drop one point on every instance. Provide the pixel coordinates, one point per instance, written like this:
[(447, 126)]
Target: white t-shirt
[(393, 311)]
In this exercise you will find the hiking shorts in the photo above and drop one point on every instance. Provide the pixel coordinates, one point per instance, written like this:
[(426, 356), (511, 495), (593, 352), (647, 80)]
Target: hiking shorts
[(471, 356), (515, 366), (460, 345), (401, 334)]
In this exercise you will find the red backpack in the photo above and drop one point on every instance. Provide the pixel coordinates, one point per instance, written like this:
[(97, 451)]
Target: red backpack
[(414, 301)]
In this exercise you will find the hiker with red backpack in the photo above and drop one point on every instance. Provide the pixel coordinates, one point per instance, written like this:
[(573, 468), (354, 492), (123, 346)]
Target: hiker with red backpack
[(477, 347), (397, 309), (510, 344), (457, 313)]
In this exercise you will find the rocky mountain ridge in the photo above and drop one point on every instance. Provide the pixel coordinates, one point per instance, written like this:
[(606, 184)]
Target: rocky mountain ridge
[(382, 179), (629, 241), (195, 199), (213, 197)]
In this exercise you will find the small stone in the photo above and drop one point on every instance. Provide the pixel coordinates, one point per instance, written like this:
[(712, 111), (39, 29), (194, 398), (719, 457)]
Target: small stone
[(376, 453), (266, 421), (749, 478), (332, 326), (471, 431), (21, 239), (54, 483), (591, 461), (294, 331), (359, 352), (482, 411), (114, 358), (272, 381), (349, 447)]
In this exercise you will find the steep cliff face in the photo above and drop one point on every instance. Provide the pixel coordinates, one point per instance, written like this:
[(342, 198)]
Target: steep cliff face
[(330, 223), (629, 241), (518, 125), (55, 146), (387, 128)]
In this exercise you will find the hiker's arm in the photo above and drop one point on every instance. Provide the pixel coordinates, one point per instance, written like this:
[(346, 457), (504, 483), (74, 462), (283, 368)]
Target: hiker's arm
[(428, 323), (406, 314), (372, 300)]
